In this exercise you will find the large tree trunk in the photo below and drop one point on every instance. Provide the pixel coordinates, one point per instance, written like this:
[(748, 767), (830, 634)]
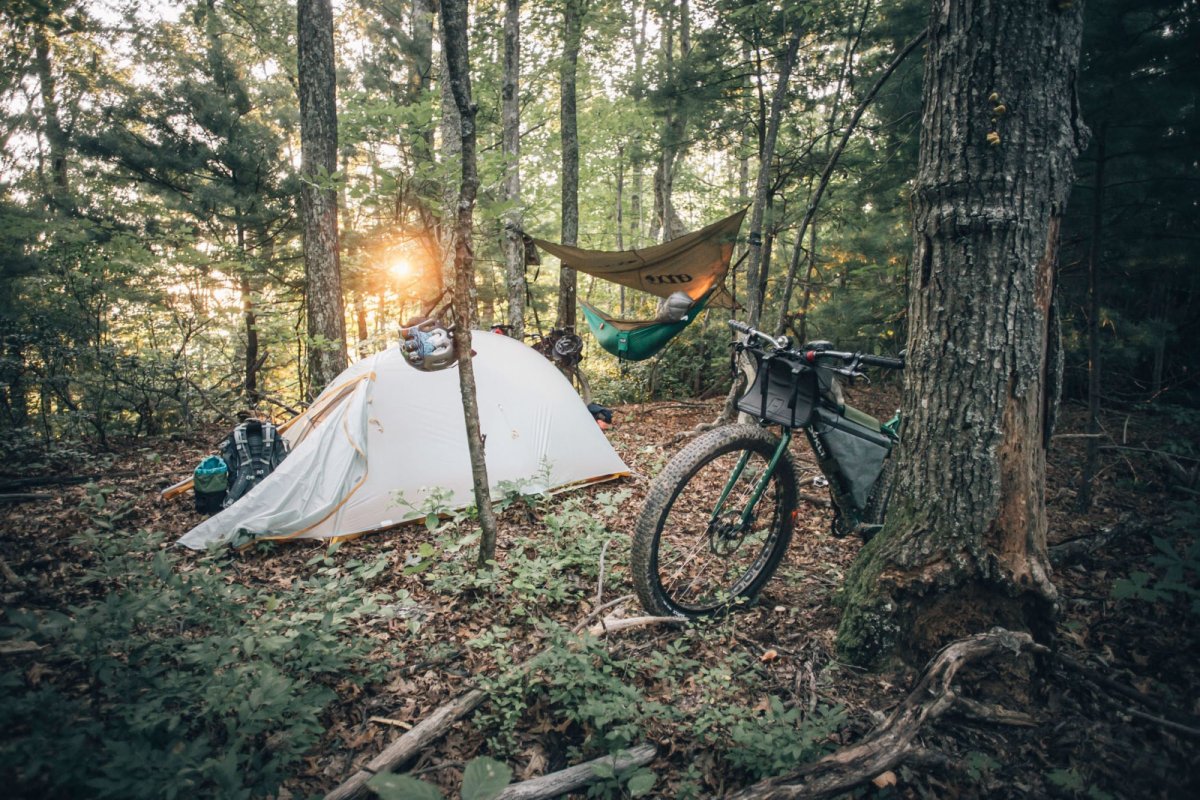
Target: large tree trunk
[(318, 200), (573, 11), (514, 248), (964, 546), (458, 69)]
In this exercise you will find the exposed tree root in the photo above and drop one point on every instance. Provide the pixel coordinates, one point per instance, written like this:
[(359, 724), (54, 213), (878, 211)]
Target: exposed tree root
[(894, 741)]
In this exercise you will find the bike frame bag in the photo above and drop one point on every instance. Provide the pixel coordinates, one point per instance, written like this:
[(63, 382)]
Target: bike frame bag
[(853, 452), (784, 391)]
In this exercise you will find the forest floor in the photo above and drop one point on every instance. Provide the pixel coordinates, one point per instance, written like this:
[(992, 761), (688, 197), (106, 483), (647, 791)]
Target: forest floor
[(725, 702)]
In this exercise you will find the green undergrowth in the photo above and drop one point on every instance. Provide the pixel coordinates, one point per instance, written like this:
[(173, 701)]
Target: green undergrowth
[(176, 679)]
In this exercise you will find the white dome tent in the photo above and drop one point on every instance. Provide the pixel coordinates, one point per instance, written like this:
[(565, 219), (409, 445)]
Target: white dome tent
[(384, 430)]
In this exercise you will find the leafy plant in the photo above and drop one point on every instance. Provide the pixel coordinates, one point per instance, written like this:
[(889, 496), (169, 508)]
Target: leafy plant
[(180, 683), (483, 779)]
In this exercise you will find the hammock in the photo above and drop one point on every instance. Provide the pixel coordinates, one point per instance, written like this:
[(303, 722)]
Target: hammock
[(695, 264)]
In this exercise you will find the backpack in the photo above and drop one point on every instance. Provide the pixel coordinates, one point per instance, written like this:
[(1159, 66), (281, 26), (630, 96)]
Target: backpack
[(252, 451), (210, 483)]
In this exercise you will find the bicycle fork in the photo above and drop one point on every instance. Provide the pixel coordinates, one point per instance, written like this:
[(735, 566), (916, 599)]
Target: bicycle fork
[(747, 514)]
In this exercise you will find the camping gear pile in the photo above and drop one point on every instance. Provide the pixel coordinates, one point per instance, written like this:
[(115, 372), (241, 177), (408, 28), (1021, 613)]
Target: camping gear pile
[(250, 453)]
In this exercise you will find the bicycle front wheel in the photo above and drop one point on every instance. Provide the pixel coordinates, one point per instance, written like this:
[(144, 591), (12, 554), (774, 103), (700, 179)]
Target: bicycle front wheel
[(715, 524)]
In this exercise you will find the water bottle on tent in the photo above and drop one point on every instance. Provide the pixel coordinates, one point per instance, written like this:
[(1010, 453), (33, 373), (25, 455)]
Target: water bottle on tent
[(687, 272)]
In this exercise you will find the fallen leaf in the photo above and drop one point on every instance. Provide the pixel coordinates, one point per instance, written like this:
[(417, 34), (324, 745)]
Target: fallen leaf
[(886, 779), (770, 655)]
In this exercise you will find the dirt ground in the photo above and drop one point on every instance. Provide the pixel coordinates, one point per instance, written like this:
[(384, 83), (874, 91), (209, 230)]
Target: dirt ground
[(1135, 737)]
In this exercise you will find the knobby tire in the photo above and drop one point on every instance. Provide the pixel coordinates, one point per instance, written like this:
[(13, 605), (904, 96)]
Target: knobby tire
[(680, 566)]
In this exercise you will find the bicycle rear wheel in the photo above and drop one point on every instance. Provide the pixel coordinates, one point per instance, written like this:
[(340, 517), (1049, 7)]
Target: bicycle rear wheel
[(579, 382), (696, 550)]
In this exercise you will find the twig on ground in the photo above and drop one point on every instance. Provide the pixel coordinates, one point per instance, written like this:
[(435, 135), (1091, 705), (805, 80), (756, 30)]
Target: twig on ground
[(595, 612), (600, 579), (395, 723), (11, 578)]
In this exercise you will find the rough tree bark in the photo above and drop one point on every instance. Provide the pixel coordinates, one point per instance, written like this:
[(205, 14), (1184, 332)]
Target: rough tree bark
[(573, 11), (458, 69), (318, 200), (964, 546), (514, 248)]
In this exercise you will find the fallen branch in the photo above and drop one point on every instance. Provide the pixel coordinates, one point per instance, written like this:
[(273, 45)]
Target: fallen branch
[(1079, 548), (578, 776), (411, 743), (896, 739), (613, 625), (23, 497), (65, 480), (11, 648)]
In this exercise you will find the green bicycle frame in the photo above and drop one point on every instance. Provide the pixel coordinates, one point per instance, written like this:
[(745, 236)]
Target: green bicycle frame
[(747, 512)]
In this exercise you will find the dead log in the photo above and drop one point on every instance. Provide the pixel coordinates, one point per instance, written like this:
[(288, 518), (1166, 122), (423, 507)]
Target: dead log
[(896, 739), (568, 780), (18, 648)]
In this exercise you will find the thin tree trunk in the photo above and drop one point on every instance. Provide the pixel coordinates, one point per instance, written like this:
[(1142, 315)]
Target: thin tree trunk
[(454, 43), (573, 11), (827, 173), (318, 200), (514, 247), (620, 218), (802, 317), (755, 274), (56, 137), (1093, 328), (964, 544), (450, 149), (250, 382)]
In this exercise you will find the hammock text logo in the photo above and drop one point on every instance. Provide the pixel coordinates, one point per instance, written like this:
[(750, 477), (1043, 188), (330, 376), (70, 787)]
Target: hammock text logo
[(678, 278)]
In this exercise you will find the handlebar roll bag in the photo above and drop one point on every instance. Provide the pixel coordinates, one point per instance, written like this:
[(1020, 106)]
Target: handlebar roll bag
[(784, 391)]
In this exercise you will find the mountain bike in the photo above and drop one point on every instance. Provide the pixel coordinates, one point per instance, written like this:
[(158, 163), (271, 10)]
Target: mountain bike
[(563, 348), (719, 517)]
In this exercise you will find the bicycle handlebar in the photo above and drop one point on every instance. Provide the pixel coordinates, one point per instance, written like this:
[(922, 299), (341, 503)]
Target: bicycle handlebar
[(741, 327), (855, 359)]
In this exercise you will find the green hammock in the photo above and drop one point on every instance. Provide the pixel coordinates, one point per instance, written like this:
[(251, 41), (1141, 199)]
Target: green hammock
[(635, 340)]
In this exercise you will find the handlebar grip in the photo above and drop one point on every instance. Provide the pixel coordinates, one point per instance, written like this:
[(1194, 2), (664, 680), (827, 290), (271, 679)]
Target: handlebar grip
[(740, 327), (882, 361)]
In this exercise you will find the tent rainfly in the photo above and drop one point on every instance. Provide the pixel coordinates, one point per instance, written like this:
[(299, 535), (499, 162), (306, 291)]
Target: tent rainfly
[(373, 447)]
